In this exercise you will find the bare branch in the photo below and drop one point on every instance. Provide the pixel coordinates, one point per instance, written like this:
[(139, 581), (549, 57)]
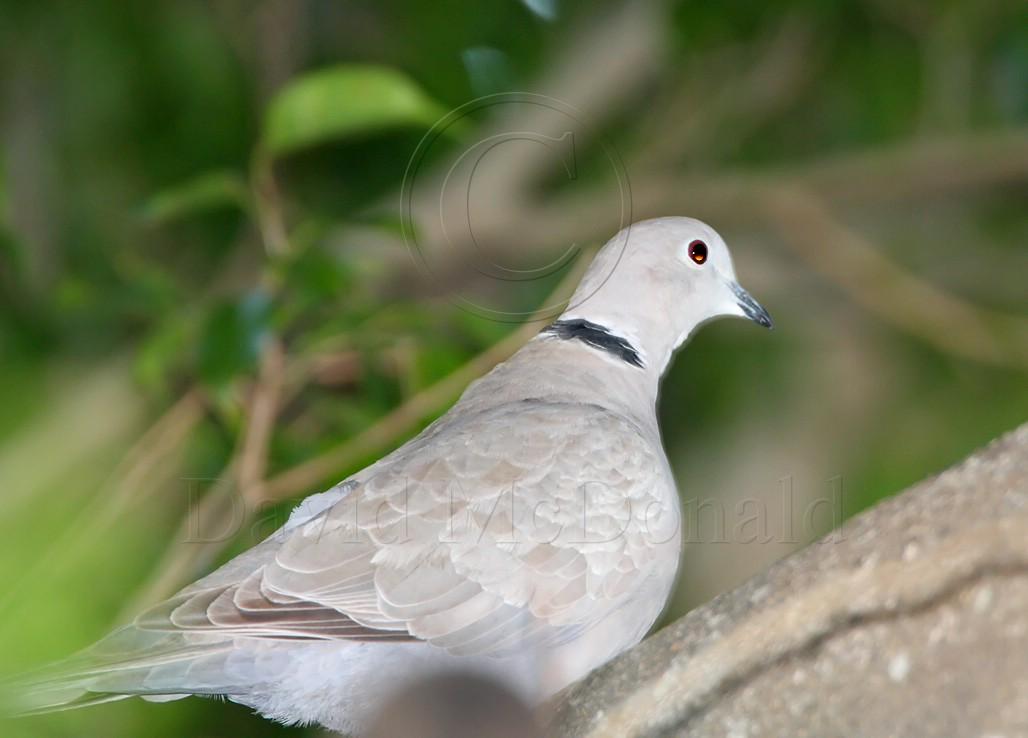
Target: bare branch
[(209, 527), (253, 453), (403, 419), (884, 288), (880, 176), (137, 477)]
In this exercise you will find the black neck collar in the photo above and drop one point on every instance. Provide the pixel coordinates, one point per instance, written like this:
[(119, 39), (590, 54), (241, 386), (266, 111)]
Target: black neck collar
[(596, 336)]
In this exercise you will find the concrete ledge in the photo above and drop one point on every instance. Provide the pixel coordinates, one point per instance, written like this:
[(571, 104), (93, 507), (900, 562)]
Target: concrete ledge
[(910, 620)]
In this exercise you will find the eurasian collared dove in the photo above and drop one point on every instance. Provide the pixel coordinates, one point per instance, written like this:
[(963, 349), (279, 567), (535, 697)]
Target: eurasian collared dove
[(531, 533)]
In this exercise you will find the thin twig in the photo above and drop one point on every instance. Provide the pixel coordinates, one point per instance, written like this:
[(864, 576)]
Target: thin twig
[(307, 475), (205, 530), (260, 420), (883, 287), (167, 434), (268, 203), (725, 97), (135, 478), (235, 496), (883, 175), (209, 526)]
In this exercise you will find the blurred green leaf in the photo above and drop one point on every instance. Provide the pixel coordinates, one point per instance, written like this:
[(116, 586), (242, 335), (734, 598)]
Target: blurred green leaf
[(318, 276), (25, 316), (12, 258), (488, 70), (3, 193), (232, 338), (161, 354), (210, 191), (334, 103)]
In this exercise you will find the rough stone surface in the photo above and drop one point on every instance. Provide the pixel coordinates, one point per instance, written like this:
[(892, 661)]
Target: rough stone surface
[(912, 620)]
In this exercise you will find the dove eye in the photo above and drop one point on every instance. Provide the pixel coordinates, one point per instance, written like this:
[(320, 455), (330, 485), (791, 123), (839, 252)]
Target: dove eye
[(698, 252)]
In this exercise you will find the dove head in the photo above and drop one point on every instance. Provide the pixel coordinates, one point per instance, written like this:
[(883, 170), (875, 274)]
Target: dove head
[(651, 286)]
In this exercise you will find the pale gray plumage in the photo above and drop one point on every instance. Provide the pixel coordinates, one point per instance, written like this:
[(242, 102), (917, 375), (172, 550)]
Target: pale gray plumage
[(531, 532)]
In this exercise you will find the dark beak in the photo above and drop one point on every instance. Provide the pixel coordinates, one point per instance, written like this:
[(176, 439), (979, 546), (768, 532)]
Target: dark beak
[(751, 308)]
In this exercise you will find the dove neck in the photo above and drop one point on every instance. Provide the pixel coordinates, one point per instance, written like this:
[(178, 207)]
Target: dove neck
[(556, 367), (642, 339)]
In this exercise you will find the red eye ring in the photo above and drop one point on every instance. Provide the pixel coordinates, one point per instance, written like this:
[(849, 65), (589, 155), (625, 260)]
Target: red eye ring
[(698, 252)]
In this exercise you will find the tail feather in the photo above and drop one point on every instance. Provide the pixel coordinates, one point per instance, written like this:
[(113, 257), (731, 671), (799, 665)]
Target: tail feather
[(84, 699), (129, 662)]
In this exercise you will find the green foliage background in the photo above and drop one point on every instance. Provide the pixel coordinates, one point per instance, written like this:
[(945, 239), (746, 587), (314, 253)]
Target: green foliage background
[(184, 184)]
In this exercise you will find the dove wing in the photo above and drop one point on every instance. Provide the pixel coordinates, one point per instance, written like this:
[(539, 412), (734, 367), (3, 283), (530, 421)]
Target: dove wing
[(518, 526)]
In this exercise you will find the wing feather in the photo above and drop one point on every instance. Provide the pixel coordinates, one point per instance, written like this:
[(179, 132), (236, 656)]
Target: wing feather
[(517, 527)]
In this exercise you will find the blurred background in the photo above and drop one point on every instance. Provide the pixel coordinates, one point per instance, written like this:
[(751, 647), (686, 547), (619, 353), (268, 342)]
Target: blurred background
[(209, 306)]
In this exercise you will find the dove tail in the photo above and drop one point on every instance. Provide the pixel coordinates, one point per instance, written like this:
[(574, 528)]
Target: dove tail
[(129, 662)]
